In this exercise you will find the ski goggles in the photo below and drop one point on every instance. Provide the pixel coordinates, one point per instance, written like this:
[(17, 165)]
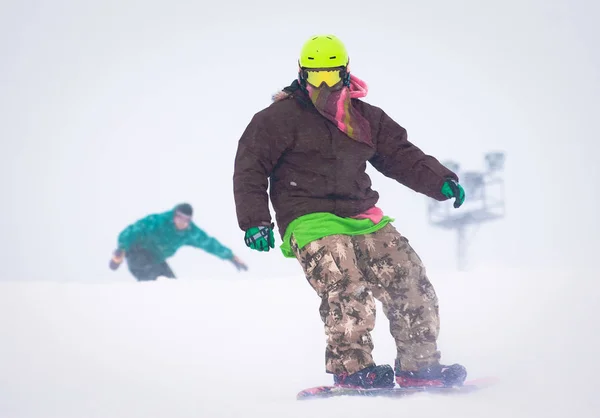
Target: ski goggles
[(182, 217), (329, 76)]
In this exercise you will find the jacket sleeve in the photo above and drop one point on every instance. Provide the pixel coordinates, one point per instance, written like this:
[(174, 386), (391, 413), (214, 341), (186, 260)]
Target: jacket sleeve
[(404, 162), (137, 230), (257, 154), (200, 239)]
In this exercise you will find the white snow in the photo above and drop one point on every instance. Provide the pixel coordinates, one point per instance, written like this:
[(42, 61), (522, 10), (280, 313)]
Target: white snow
[(244, 346), (116, 109)]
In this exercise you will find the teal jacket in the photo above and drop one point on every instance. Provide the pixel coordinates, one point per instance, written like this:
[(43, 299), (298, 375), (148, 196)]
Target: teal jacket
[(158, 235)]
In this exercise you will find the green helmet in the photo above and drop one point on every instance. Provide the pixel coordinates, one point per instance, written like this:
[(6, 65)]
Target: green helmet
[(323, 51)]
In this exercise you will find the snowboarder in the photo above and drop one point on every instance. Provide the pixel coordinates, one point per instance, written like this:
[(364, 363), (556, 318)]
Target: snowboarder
[(147, 243), (313, 143)]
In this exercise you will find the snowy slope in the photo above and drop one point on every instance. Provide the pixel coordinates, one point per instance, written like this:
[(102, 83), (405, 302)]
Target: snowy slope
[(243, 347)]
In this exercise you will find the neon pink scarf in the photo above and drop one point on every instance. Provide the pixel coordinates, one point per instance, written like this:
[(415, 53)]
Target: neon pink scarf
[(374, 213), (336, 105)]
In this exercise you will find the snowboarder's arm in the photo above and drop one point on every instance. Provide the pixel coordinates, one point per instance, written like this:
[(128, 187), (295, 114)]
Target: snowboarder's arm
[(404, 162), (136, 230), (258, 151), (200, 239)]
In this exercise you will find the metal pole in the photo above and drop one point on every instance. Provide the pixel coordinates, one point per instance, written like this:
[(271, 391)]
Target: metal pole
[(462, 246)]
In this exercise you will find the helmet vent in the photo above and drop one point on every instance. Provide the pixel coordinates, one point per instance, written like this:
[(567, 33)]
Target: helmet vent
[(332, 58), (310, 58)]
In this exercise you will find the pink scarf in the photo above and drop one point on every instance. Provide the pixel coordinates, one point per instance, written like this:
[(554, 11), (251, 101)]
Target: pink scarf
[(374, 213), (337, 106)]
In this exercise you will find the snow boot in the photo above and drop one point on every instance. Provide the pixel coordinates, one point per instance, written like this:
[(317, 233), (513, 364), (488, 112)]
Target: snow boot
[(370, 377), (433, 375)]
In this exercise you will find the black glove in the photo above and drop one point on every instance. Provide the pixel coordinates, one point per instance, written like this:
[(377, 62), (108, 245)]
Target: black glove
[(239, 264), (116, 259)]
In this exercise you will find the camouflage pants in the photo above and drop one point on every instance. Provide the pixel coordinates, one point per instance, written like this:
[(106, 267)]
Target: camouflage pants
[(348, 273)]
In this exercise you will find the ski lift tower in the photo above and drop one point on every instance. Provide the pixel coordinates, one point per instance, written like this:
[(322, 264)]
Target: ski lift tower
[(484, 202)]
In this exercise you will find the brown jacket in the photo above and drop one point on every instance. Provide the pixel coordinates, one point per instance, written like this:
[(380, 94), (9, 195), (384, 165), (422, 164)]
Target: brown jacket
[(314, 167)]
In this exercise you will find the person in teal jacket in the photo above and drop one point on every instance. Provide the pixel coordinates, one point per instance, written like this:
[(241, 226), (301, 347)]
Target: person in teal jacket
[(147, 243)]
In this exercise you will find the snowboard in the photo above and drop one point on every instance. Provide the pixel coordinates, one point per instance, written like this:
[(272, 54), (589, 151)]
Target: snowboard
[(329, 391)]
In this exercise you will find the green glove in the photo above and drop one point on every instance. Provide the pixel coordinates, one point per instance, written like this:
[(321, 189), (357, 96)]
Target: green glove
[(453, 189), (260, 238)]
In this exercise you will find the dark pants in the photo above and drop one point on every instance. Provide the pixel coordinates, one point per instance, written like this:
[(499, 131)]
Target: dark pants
[(144, 267)]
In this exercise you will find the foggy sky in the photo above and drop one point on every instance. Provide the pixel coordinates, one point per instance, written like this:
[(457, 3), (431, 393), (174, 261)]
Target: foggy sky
[(114, 110)]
